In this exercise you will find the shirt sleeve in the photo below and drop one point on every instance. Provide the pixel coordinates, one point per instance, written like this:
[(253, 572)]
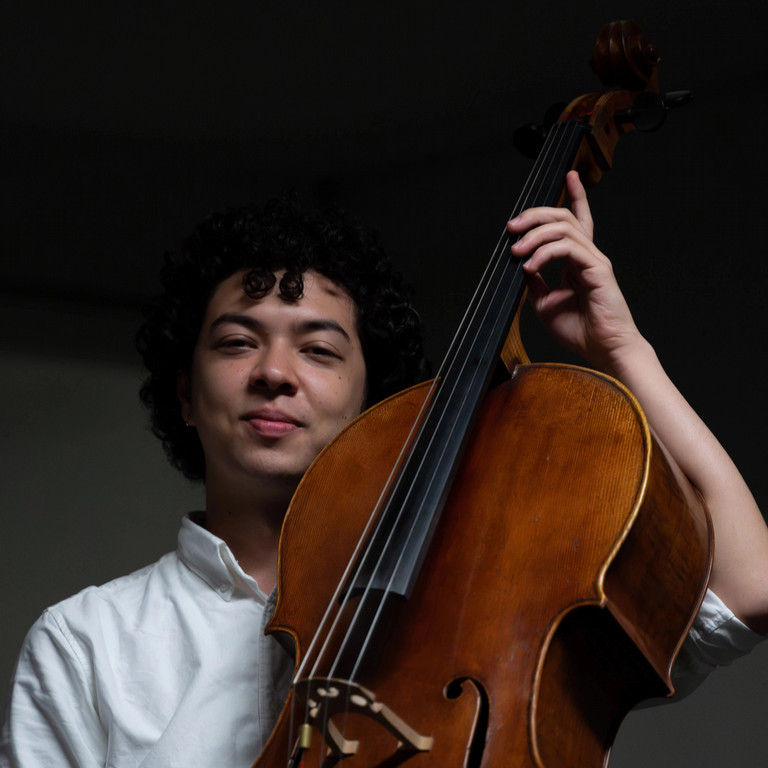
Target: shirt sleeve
[(51, 717), (716, 639)]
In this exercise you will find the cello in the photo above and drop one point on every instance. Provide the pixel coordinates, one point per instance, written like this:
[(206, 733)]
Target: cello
[(513, 560)]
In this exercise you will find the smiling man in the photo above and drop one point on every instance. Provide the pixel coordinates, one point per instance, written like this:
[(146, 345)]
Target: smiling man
[(273, 380), (275, 330)]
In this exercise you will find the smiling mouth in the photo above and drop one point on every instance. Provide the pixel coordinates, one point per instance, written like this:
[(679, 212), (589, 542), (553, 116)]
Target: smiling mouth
[(272, 425)]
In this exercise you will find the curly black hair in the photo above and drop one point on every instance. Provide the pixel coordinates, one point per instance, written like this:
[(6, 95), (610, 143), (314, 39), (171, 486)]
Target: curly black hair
[(280, 237)]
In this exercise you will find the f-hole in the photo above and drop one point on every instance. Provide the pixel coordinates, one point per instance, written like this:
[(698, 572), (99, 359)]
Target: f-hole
[(453, 690)]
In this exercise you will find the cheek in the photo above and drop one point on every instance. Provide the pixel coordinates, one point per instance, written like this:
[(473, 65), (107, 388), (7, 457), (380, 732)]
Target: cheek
[(355, 392), (339, 398), (214, 386)]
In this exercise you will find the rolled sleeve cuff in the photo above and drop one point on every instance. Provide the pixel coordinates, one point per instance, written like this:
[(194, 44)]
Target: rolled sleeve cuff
[(716, 639)]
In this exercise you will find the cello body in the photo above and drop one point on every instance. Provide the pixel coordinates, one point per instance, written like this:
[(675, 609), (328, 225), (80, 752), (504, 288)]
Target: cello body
[(568, 564)]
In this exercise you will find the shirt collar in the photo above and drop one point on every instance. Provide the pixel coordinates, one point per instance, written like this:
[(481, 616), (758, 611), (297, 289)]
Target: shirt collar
[(212, 560)]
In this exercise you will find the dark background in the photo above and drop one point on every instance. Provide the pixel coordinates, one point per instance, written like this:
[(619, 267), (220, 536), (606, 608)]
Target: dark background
[(121, 125)]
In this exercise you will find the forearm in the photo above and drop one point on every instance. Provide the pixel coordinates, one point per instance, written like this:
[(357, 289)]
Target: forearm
[(740, 568)]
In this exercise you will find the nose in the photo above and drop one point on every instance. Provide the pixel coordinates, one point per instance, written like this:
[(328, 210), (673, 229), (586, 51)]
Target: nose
[(274, 370)]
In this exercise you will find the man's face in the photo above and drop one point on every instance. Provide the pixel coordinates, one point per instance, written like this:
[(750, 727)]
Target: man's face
[(272, 380)]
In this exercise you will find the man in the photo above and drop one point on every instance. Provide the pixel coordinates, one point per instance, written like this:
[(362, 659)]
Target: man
[(274, 332)]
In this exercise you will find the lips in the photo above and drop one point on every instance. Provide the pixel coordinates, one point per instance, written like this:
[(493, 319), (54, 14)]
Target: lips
[(270, 422)]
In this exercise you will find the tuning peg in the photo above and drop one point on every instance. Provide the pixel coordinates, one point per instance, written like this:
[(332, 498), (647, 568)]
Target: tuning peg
[(529, 139), (675, 99), (650, 109)]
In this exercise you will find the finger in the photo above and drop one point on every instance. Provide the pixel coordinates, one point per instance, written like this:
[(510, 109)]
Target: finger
[(538, 290), (559, 231), (584, 259), (536, 217), (579, 202)]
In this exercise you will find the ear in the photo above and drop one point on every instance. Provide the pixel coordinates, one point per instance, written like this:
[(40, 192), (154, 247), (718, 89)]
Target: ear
[(185, 399)]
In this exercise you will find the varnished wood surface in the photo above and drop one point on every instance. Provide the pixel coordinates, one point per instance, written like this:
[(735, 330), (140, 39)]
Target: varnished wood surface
[(522, 558)]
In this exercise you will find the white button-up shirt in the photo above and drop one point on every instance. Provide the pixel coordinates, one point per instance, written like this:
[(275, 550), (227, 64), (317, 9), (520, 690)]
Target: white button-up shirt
[(169, 666)]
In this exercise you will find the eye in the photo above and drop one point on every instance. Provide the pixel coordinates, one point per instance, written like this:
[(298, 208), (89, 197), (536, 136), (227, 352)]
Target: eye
[(321, 352), (235, 344)]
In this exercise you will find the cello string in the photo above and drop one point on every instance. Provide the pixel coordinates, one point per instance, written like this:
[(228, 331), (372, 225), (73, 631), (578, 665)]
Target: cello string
[(506, 264), (497, 259), (448, 361), (318, 655), (502, 260)]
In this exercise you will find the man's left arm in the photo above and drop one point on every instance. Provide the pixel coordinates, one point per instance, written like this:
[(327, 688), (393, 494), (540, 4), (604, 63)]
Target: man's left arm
[(588, 314)]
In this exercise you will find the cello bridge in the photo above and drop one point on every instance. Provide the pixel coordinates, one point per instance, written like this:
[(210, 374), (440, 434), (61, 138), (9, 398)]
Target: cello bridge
[(326, 697)]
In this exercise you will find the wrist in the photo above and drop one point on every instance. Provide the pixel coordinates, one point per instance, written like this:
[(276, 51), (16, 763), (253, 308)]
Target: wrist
[(632, 362)]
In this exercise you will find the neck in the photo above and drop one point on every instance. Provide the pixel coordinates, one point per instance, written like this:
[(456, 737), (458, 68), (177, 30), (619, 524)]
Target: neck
[(250, 523)]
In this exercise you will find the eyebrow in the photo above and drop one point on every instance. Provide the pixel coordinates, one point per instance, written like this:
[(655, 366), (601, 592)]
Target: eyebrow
[(305, 326)]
